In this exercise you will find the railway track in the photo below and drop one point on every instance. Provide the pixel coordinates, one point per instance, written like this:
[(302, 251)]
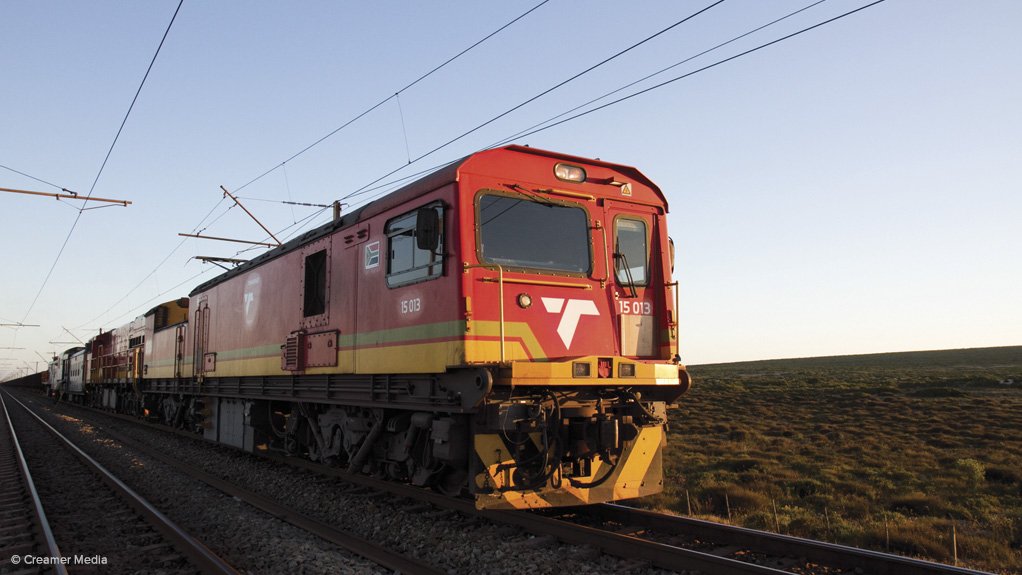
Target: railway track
[(790, 554), (26, 530), (672, 542), (355, 544), (677, 543), (111, 528), (648, 538)]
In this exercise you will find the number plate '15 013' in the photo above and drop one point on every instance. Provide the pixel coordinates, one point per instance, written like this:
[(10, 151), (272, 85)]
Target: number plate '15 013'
[(635, 307)]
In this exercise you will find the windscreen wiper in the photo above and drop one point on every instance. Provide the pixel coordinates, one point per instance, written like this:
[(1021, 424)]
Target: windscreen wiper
[(620, 257), (533, 196)]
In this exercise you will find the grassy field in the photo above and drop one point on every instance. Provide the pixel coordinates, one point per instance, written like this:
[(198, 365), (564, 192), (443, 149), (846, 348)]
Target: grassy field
[(888, 451)]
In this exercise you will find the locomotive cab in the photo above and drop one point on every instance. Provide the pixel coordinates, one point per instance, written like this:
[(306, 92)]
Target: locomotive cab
[(569, 298)]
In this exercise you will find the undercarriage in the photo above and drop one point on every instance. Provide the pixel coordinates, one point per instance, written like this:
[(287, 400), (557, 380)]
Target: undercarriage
[(535, 447)]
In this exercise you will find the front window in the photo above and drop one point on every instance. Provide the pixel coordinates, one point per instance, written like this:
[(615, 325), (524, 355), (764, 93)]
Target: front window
[(630, 252), (522, 233)]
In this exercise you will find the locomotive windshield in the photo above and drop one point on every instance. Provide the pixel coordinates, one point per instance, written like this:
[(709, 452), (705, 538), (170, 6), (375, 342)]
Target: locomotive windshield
[(630, 252), (518, 232)]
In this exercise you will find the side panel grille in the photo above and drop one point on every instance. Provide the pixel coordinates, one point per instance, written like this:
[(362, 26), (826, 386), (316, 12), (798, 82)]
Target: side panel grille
[(291, 353)]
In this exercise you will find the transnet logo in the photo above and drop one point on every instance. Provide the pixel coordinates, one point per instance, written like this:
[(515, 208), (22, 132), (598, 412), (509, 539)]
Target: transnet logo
[(570, 314)]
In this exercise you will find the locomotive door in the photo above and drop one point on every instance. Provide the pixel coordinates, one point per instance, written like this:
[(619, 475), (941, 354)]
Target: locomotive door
[(633, 252), (359, 257), (179, 348)]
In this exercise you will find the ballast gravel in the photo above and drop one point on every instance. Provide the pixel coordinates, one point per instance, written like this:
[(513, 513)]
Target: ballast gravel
[(94, 528), (252, 541), (248, 539)]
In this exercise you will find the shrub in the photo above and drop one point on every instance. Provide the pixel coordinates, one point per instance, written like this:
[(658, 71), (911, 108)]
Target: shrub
[(912, 539), (852, 488), (762, 520), (739, 435), (805, 487), (804, 525), (854, 507), (973, 471), (739, 498), (919, 504)]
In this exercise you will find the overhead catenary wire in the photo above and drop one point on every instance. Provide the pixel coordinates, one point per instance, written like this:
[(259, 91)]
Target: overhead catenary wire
[(162, 262), (145, 305), (74, 224), (543, 93), (365, 188), (287, 184), (372, 187), (327, 136), (385, 188), (31, 177), (394, 95), (530, 129), (285, 202), (300, 224), (704, 68), (133, 100), (404, 130)]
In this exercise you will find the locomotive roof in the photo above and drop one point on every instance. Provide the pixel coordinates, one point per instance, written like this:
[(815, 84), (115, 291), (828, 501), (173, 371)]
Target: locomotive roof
[(444, 175)]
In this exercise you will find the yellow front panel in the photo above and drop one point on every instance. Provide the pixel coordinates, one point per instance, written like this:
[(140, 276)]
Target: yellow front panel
[(639, 472), (520, 342)]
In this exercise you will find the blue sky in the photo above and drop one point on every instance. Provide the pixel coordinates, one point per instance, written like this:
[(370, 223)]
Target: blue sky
[(854, 189)]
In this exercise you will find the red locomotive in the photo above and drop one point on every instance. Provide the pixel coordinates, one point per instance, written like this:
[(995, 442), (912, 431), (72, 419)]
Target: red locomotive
[(505, 327)]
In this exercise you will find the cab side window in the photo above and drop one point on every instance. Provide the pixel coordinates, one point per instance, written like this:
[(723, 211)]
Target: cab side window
[(631, 252), (407, 262)]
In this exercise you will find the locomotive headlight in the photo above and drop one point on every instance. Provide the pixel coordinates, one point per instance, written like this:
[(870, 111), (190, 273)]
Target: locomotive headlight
[(569, 173), (626, 369), (524, 300)]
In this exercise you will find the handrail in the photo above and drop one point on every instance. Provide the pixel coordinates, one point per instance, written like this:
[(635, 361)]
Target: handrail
[(606, 258), (675, 319)]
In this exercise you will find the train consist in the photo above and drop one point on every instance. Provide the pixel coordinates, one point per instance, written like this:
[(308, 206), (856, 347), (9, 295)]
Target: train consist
[(505, 327)]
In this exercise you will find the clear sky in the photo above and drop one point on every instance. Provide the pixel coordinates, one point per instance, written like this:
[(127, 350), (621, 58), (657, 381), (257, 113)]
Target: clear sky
[(854, 189)]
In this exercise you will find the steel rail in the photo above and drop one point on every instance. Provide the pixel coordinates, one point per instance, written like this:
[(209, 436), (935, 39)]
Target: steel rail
[(629, 547), (201, 556), (618, 545), (623, 546), (874, 562), (52, 549), (353, 543)]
